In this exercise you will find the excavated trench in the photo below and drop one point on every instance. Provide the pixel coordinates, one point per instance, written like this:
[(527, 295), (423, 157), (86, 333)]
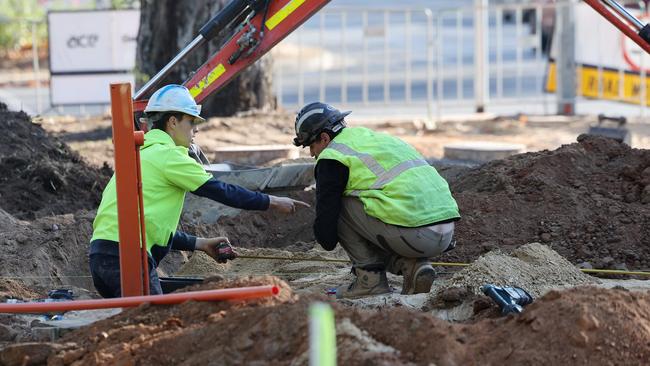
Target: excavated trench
[(584, 203)]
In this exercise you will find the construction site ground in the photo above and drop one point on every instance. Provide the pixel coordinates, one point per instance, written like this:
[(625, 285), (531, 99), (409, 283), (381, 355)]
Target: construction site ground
[(532, 220)]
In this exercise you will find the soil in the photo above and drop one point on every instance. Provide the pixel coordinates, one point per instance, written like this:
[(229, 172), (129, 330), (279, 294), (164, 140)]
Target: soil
[(534, 267), (41, 175), (13, 289), (582, 203), (263, 229), (584, 325), (587, 200), (49, 252), (455, 297)]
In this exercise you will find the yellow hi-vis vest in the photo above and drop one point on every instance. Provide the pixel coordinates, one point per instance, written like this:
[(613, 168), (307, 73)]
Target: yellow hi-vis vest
[(394, 182)]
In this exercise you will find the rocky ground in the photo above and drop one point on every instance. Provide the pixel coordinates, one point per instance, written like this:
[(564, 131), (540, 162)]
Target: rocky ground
[(528, 221)]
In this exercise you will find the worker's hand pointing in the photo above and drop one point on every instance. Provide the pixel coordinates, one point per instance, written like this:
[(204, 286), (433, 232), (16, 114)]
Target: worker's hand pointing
[(285, 204)]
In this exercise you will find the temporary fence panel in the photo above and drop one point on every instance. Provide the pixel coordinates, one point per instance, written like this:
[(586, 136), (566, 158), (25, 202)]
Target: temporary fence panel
[(352, 56)]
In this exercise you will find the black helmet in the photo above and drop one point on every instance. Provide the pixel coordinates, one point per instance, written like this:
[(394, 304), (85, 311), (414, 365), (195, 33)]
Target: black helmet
[(315, 118)]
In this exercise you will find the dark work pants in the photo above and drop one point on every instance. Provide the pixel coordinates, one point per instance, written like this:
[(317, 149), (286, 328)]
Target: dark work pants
[(105, 270), (105, 263), (371, 243)]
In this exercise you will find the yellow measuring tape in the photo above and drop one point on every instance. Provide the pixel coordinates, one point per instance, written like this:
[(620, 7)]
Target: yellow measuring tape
[(333, 260), (441, 264)]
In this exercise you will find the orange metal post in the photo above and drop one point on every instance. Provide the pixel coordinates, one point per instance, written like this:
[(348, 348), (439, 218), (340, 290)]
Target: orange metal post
[(139, 141), (126, 174), (241, 293)]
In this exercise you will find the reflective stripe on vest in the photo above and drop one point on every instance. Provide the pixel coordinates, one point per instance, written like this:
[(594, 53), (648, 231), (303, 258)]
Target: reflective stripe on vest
[(367, 159), (393, 181), (383, 176)]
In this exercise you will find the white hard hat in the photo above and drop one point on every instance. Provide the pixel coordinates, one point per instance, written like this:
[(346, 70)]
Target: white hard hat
[(174, 98)]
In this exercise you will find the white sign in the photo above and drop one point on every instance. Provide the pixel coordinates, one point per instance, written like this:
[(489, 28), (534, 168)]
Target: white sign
[(93, 40), (85, 88), (89, 50)]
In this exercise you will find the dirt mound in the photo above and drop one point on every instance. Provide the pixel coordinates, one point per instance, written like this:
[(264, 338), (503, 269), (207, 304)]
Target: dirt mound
[(585, 325), (13, 289), (534, 267), (7, 222), (588, 201), (41, 175), (49, 252)]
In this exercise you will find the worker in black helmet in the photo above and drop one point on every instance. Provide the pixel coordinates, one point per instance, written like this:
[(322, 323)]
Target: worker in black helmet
[(377, 197)]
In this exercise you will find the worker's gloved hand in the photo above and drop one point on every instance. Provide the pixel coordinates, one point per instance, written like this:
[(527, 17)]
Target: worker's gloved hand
[(285, 204), (218, 248)]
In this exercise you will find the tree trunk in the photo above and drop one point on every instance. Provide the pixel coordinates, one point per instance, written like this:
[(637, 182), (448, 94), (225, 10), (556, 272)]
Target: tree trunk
[(167, 26)]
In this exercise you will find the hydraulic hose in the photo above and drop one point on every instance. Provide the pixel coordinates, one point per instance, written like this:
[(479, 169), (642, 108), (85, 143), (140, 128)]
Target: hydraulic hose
[(223, 18)]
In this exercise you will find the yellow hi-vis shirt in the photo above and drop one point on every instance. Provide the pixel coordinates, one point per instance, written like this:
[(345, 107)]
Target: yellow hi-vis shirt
[(168, 172)]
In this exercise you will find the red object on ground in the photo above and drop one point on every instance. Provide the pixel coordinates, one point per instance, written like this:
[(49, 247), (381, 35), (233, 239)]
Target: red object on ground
[(241, 293), (618, 23), (134, 274)]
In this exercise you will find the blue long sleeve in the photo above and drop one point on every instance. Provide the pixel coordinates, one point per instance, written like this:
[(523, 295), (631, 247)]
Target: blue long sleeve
[(233, 195), (182, 241)]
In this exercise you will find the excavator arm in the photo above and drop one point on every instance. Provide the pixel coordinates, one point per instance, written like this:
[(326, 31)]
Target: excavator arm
[(256, 26), (616, 14)]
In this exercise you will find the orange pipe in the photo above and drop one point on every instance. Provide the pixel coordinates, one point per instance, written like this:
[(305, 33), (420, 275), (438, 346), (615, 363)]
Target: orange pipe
[(240, 293)]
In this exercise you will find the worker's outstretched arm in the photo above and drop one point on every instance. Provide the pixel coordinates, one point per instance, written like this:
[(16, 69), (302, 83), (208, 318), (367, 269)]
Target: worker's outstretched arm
[(233, 195), (239, 197)]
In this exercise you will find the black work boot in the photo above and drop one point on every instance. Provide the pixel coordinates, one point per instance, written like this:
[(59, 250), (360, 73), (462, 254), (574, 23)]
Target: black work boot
[(366, 283)]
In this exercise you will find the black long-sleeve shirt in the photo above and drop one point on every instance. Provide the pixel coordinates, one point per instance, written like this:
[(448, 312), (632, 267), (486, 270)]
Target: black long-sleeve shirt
[(331, 179)]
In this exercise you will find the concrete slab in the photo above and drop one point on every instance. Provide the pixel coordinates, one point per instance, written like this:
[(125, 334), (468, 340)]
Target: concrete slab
[(481, 151), (256, 154), (258, 179), (49, 330)]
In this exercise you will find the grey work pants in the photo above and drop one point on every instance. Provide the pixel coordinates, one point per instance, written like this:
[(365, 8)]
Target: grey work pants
[(371, 243)]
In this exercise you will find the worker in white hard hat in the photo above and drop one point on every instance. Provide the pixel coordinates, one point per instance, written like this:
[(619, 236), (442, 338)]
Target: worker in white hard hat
[(168, 172)]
